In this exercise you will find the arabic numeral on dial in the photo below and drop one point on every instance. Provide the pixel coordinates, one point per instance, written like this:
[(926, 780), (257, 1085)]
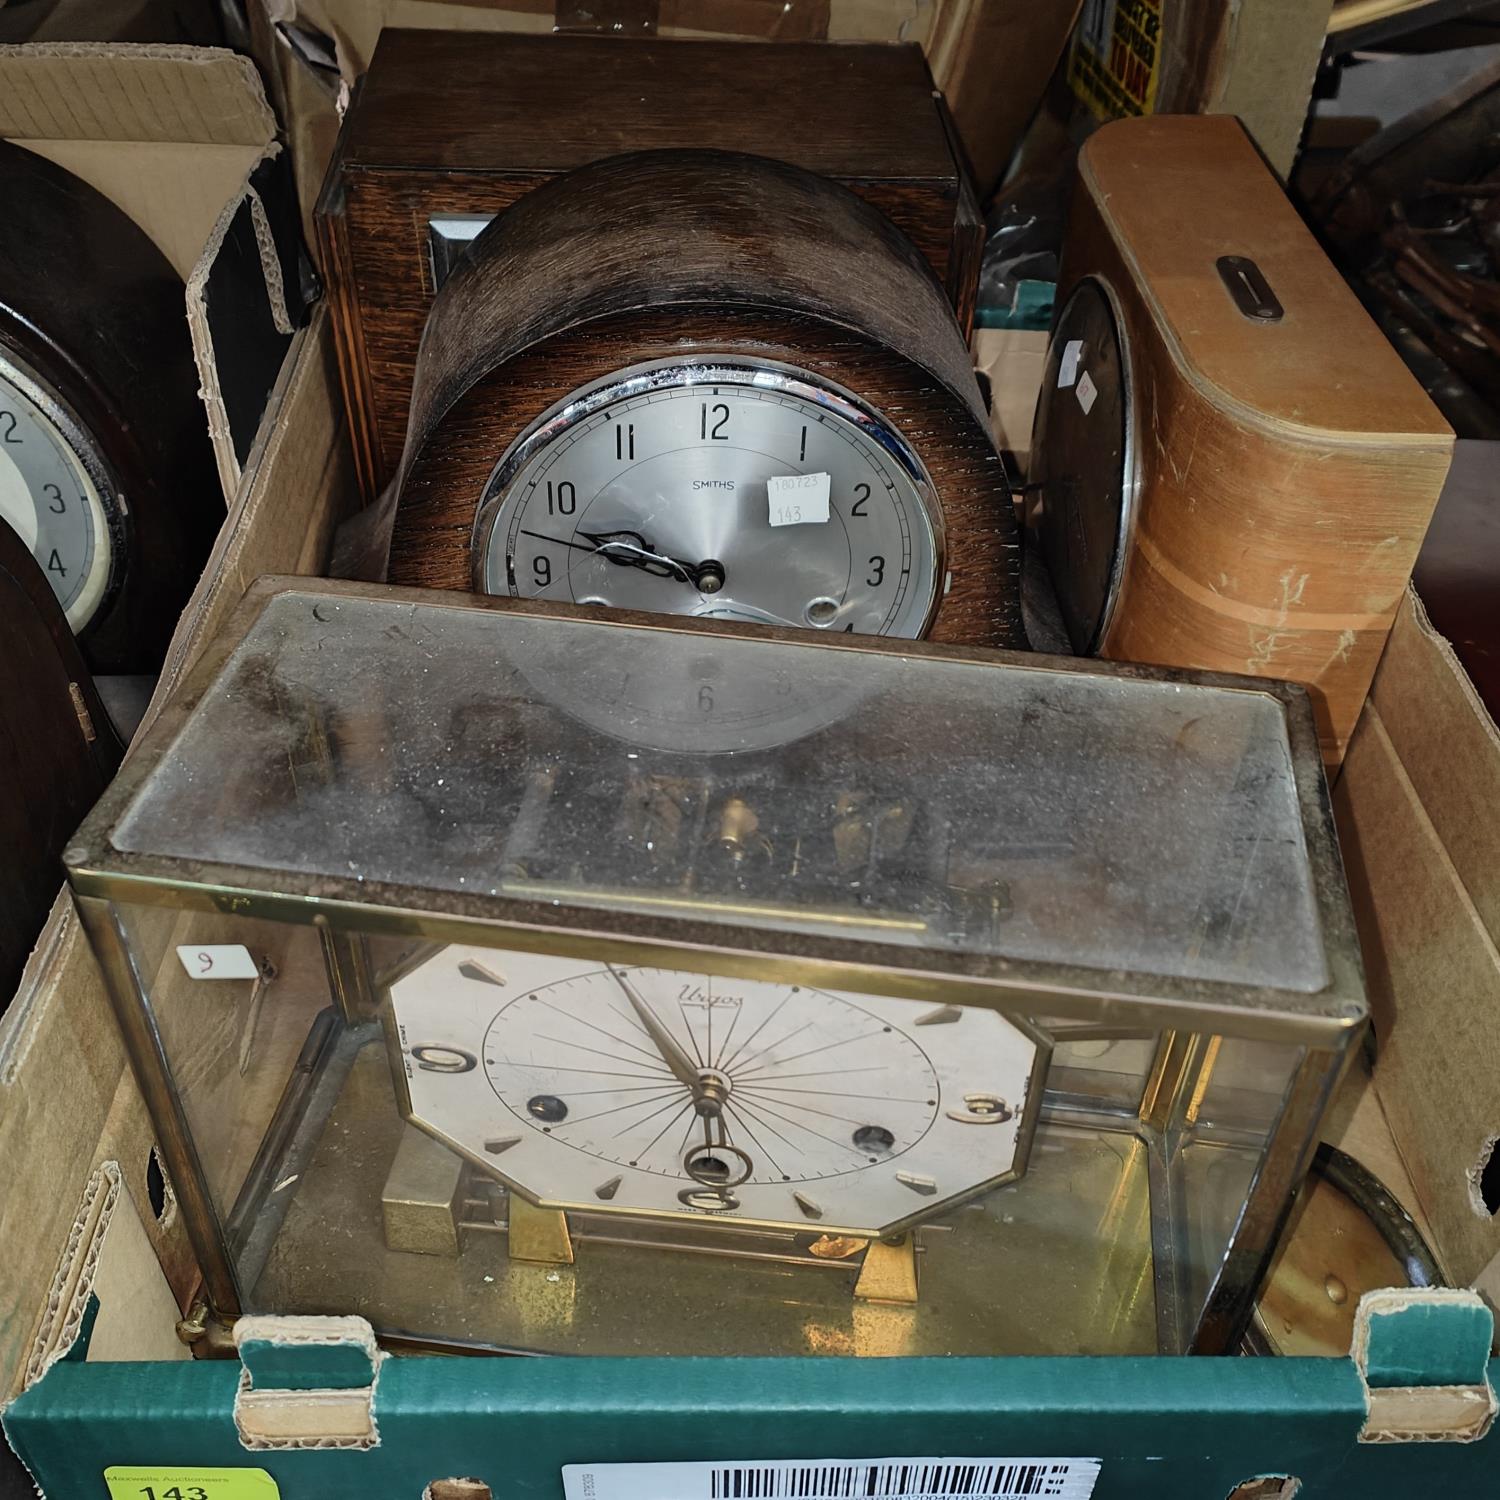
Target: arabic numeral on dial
[(8, 422), (877, 572), (55, 502), (55, 565), (435, 1057), (541, 569), (714, 433), (861, 497), (706, 698), (625, 441), (562, 498)]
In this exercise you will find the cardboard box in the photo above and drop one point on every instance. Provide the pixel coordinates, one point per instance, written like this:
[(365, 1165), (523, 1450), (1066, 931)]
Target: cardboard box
[(97, 1268), (180, 139), (312, 1405), (1416, 809)]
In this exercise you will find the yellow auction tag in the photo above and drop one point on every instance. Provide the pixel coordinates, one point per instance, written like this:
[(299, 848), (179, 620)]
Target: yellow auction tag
[(131, 1482)]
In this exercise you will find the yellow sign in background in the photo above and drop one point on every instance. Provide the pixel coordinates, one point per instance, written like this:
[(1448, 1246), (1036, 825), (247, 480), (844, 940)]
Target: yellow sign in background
[(1116, 56)]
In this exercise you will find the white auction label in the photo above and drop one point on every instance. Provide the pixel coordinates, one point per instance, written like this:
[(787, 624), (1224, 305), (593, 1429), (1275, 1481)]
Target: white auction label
[(218, 961), (1088, 393), (1067, 369), (798, 499), (838, 1479)]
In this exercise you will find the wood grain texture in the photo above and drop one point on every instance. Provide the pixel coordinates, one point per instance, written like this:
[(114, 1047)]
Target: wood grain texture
[(466, 102), (866, 115), (1288, 470), (678, 253)]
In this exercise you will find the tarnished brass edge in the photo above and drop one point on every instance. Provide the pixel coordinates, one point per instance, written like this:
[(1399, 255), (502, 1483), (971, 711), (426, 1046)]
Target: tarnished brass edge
[(173, 1137)]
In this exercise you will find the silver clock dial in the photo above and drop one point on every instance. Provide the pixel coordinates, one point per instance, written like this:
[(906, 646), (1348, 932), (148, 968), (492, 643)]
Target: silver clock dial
[(659, 1092), (49, 497), (739, 491)]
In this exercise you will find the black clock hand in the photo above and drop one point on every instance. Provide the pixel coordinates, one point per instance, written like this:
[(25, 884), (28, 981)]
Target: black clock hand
[(636, 555), (629, 549)]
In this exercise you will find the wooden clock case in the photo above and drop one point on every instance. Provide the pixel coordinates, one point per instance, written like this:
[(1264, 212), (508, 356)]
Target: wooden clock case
[(58, 750), (1279, 465), (458, 124), (688, 254), (95, 310)]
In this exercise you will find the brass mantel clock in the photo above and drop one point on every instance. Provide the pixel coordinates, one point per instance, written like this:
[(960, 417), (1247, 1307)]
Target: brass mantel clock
[(531, 977)]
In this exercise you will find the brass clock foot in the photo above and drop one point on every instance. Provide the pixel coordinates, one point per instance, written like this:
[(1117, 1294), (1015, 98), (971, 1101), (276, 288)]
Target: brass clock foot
[(538, 1233), (889, 1273), (422, 1197)]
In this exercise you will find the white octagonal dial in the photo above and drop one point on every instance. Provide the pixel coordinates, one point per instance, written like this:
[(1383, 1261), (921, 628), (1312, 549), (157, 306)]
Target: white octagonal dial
[(664, 1093)]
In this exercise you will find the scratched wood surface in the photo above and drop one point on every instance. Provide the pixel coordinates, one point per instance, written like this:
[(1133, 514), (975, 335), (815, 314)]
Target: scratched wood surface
[(678, 253), (1288, 470), (519, 110)]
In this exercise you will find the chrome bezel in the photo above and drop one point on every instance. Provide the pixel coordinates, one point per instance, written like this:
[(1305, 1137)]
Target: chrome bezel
[(653, 375), (1129, 498), (32, 385), (1130, 462)]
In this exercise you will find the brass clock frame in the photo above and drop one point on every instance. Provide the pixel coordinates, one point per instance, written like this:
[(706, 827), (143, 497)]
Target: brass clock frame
[(1189, 1013)]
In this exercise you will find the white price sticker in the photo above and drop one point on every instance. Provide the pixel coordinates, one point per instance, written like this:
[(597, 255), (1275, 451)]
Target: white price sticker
[(1088, 393), (798, 499), (218, 961), (830, 1478), (1067, 368)]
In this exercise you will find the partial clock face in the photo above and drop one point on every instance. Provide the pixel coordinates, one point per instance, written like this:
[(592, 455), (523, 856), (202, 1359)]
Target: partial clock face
[(667, 1093), (50, 497), (739, 491), (1082, 499)]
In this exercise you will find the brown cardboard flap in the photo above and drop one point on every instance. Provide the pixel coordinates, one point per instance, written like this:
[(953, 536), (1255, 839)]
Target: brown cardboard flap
[(108, 1257), (173, 190), (67, 1099), (181, 139), (1433, 975), (239, 315), (132, 92), (1450, 749), (61, 1062), (297, 485)]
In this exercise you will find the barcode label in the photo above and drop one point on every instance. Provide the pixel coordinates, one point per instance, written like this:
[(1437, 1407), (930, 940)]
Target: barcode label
[(838, 1479)]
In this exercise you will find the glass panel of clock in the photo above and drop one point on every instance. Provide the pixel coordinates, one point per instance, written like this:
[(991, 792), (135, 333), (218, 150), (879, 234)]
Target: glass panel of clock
[(413, 1143), (736, 1078)]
